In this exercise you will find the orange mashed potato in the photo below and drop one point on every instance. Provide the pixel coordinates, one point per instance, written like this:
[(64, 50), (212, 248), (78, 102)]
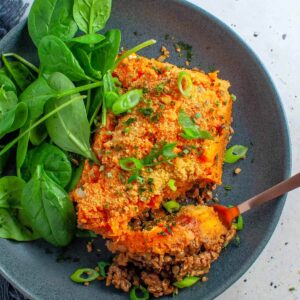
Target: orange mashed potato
[(106, 202)]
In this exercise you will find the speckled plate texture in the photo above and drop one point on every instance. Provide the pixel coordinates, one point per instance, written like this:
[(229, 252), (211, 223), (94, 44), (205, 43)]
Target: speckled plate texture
[(42, 272)]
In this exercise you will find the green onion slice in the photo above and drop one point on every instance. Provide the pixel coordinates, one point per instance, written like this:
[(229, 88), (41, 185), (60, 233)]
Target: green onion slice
[(127, 102), (130, 164), (133, 295), (171, 206), (186, 282), (102, 265), (84, 275), (110, 99), (239, 224), (172, 185), (235, 153), (184, 77)]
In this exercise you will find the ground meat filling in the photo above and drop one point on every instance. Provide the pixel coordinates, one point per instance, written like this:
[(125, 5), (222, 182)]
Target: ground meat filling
[(158, 272)]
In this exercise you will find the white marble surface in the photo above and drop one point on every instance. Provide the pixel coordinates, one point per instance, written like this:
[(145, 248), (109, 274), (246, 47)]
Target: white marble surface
[(272, 29)]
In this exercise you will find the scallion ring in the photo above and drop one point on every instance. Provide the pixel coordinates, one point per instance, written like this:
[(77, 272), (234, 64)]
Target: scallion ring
[(130, 164), (102, 265), (184, 79), (186, 282), (110, 99), (133, 295), (235, 153), (239, 224), (171, 206), (172, 185), (127, 102), (84, 275)]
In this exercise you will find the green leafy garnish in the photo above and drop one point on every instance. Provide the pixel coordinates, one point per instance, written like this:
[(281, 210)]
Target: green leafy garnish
[(102, 266), (49, 209), (91, 15), (51, 17), (190, 129)]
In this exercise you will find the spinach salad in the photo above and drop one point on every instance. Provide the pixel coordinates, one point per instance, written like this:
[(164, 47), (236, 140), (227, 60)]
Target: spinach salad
[(47, 115)]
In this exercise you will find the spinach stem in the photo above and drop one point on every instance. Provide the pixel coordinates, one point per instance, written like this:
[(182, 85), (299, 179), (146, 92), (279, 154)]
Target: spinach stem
[(79, 89), (19, 173), (88, 101), (37, 123), (134, 49), (103, 112), (8, 67), (22, 60), (95, 113)]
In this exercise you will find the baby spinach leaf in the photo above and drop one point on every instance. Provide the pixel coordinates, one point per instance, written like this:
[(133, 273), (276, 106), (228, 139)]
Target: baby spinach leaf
[(85, 62), (13, 115), (7, 84), (55, 162), (11, 189), (35, 96), (190, 129), (104, 58), (38, 134), (51, 17), (4, 159), (88, 39), (22, 146), (76, 174), (96, 105), (26, 130), (12, 228), (91, 15), (19, 72), (4, 72), (69, 128), (55, 56), (49, 209)]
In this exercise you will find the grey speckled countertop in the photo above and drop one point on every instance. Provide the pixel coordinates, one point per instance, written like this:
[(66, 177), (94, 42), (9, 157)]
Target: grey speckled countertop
[(272, 29)]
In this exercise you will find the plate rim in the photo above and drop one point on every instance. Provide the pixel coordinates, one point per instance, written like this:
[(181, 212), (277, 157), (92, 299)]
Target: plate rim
[(288, 157)]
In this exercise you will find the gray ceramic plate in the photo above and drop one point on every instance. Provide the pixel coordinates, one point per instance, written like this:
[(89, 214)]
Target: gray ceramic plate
[(42, 272)]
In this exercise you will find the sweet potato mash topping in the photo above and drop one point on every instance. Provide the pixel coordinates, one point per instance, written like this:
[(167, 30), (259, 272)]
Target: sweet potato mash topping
[(107, 196), (172, 234)]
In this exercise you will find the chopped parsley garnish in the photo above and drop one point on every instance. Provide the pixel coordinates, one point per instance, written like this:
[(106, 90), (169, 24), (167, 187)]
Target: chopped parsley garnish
[(146, 111), (233, 97), (155, 118), (160, 87), (156, 69), (190, 129), (228, 187), (135, 165), (186, 47), (130, 121)]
